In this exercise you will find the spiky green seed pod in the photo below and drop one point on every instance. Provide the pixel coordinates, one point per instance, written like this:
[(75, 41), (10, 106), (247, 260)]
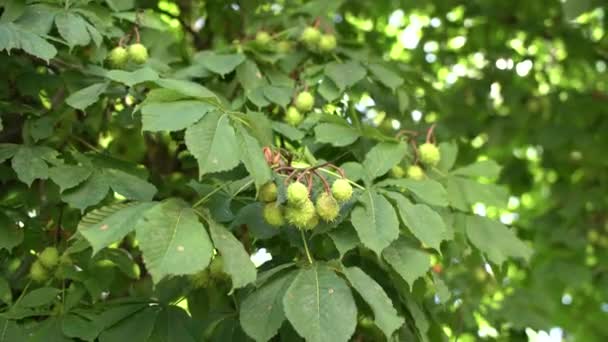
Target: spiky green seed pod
[(429, 154), (38, 273), (304, 101), (297, 194), (138, 53), (300, 216), (415, 172), (262, 38), (268, 192), (49, 257), (118, 57), (341, 190), (327, 207), (327, 43), (293, 116), (284, 47), (397, 172), (273, 214), (312, 222), (310, 35)]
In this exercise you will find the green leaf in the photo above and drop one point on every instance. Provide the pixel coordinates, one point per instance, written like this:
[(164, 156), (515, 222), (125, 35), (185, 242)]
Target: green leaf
[(11, 235), (86, 96), (441, 289), (121, 258), (382, 157), (39, 297), (344, 238), (15, 37), (68, 176), (345, 74), (249, 75), (237, 263), (288, 131), (131, 78), (7, 151), (427, 190), (336, 134), (187, 88), (329, 90), (403, 99), (213, 143), (464, 192), (385, 315), (261, 313), (75, 326), (386, 76), (425, 223), (136, 328), (484, 168), (11, 331), (408, 261), (30, 163), (173, 241), (260, 127), (375, 221), (252, 157), (130, 186), (278, 95), (6, 296), (73, 28), (449, 152), (495, 240), (111, 225), (89, 193), (172, 325), (173, 116), (220, 63), (320, 306)]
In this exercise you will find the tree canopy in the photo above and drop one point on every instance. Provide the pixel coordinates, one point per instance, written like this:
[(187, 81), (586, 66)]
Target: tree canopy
[(293, 170)]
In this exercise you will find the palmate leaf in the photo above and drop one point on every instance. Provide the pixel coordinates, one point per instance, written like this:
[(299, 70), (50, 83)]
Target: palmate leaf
[(109, 224), (495, 240), (13, 36), (173, 116), (408, 261), (320, 305), (213, 143), (382, 157), (236, 261), (262, 313), (375, 221), (173, 241), (385, 315), (425, 223)]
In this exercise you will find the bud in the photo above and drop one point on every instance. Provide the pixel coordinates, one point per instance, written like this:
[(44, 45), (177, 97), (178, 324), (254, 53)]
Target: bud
[(310, 35), (293, 116)]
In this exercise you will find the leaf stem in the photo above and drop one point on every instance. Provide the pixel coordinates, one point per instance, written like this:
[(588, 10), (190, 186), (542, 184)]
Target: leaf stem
[(306, 246)]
